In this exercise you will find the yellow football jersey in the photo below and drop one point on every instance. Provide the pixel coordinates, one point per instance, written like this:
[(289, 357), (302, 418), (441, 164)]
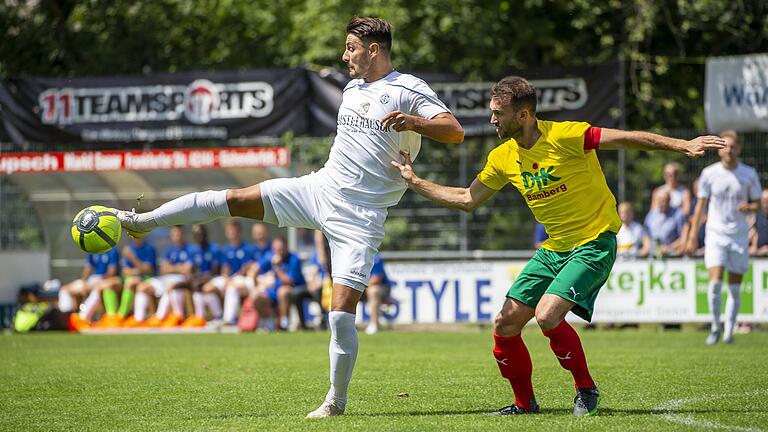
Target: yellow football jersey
[(562, 184)]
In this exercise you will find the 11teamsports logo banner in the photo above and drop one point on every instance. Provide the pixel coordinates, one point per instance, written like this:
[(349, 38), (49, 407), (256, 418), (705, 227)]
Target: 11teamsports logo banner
[(672, 290), (192, 106)]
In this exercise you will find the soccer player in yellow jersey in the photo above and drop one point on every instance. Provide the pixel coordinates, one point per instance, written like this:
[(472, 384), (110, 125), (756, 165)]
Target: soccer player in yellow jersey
[(555, 167)]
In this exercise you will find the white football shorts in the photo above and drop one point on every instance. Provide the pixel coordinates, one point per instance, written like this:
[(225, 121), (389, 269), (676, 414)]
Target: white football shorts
[(160, 283), (728, 254), (354, 232), (221, 282)]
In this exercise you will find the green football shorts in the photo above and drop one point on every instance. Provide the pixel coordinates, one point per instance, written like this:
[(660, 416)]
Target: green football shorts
[(576, 276)]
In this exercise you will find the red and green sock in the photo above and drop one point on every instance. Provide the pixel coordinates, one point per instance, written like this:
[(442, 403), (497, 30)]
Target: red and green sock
[(514, 363)]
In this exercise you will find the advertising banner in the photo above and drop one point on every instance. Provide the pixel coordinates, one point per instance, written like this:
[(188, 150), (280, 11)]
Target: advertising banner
[(222, 106), (668, 291), (736, 94), (161, 107), (232, 157), (589, 93)]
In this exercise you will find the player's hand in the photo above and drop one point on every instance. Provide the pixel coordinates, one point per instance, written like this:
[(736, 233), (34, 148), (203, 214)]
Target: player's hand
[(398, 121), (406, 168), (698, 146)]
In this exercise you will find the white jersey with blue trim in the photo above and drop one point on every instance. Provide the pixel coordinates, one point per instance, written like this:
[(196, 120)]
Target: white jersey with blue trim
[(359, 163)]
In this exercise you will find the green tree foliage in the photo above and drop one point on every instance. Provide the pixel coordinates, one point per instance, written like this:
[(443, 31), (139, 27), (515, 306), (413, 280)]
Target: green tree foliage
[(664, 42)]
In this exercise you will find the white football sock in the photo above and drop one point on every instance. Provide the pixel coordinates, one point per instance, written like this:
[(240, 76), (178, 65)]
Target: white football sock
[(343, 353), (715, 299), (140, 306), (214, 304), (163, 306), (177, 302), (194, 208), (65, 301), (231, 305), (199, 302), (732, 304), (91, 305)]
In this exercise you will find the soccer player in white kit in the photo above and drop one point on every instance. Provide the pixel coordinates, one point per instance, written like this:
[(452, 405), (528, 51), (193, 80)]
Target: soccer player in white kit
[(729, 190), (383, 112)]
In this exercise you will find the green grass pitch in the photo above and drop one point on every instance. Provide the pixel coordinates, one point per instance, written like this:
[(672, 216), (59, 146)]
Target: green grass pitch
[(649, 381)]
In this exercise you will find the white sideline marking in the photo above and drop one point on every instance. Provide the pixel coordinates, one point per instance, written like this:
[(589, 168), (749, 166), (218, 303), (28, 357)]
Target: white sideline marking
[(667, 411)]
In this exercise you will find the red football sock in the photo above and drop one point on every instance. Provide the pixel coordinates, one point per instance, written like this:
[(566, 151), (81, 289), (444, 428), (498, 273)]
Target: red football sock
[(515, 365), (566, 345)]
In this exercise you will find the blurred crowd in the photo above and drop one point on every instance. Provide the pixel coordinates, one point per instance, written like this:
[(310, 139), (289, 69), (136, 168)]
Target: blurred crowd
[(666, 229), (256, 284)]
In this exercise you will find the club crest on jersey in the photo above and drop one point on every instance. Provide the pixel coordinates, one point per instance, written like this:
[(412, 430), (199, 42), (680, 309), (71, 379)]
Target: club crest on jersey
[(540, 178), (363, 108), (384, 99)]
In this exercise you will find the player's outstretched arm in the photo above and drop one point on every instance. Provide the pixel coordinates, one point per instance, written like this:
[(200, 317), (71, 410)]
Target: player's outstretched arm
[(616, 139), (466, 199), (443, 127)]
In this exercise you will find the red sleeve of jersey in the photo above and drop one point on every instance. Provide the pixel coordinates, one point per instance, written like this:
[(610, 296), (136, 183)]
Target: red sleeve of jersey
[(592, 138)]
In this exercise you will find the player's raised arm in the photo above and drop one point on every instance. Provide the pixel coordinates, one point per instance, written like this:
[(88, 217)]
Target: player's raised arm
[(466, 199), (615, 139), (443, 127)]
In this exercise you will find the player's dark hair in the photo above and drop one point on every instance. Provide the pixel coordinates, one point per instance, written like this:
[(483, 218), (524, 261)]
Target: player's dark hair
[(515, 91), (370, 29)]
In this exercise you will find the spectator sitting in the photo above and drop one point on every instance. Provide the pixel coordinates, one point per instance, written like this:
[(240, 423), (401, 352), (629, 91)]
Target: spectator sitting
[(98, 269), (539, 235), (632, 240), (758, 242), (377, 293), (285, 270), (318, 277), (665, 226), (679, 195)]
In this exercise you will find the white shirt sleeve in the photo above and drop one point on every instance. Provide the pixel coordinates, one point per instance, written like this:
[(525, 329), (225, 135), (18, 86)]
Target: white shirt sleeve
[(423, 101)]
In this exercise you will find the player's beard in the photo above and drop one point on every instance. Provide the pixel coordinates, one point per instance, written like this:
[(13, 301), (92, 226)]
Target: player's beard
[(510, 131)]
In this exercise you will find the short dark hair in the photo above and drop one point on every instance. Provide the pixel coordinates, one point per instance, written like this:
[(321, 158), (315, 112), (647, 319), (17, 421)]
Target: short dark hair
[(515, 91), (370, 29)]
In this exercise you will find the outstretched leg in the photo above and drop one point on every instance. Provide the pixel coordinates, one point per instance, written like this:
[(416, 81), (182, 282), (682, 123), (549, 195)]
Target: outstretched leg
[(194, 208)]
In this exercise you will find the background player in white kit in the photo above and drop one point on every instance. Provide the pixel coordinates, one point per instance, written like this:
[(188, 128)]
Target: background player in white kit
[(729, 190), (383, 112)]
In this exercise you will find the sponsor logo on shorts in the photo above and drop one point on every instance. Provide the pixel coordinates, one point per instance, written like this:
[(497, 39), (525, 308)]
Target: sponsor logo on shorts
[(359, 273)]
